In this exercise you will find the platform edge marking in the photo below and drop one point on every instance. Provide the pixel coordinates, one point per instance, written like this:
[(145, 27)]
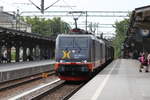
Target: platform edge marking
[(101, 87)]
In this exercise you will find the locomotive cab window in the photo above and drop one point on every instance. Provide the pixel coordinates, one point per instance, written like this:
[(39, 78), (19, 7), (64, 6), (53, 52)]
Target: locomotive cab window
[(81, 42), (66, 42)]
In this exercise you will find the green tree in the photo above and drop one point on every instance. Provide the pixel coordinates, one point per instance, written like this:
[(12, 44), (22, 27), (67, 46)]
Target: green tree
[(48, 27), (121, 29)]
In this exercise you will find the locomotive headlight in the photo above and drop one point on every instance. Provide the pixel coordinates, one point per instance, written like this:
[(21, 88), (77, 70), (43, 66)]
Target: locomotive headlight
[(73, 51), (85, 61), (61, 61)]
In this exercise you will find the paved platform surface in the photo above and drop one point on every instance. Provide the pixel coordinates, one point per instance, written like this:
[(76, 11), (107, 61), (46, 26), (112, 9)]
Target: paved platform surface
[(120, 80), (19, 70)]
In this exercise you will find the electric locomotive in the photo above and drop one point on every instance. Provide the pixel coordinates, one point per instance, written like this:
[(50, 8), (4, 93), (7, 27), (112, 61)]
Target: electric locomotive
[(78, 54)]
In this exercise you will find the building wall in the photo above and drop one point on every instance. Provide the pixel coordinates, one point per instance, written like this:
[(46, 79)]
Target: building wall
[(10, 21)]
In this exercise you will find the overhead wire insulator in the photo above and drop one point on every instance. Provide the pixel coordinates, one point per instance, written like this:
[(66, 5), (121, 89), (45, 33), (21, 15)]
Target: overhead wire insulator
[(42, 6)]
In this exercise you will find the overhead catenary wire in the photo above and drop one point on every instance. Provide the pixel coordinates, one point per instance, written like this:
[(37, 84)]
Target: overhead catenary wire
[(42, 5), (69, 7), (35, 5), (52, 4)]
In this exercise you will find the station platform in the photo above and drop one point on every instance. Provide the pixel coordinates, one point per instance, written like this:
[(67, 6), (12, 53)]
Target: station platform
[(120, 80), (14, 71)]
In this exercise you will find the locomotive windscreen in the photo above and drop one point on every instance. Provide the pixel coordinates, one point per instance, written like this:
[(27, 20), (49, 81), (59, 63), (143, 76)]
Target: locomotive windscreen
[(66, 42), (72, 48), (75, 42), (81, 42)]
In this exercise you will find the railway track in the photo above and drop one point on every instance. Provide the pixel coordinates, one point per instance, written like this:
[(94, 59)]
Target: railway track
[(16, 82), (45, 86), (8, 93), (43, 89), (61, 92), (36, 91)]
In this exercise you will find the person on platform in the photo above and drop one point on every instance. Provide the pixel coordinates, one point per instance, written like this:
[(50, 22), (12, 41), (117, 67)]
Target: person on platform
[(143, 60), (148, 62)]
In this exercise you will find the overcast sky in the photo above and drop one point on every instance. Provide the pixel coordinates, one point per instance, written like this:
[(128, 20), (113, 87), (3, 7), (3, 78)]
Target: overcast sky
[(86, 5), (80, 4)]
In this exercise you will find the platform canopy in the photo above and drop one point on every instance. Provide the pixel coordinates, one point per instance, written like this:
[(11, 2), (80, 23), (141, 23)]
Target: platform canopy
[(141, 17), (138, 33)]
